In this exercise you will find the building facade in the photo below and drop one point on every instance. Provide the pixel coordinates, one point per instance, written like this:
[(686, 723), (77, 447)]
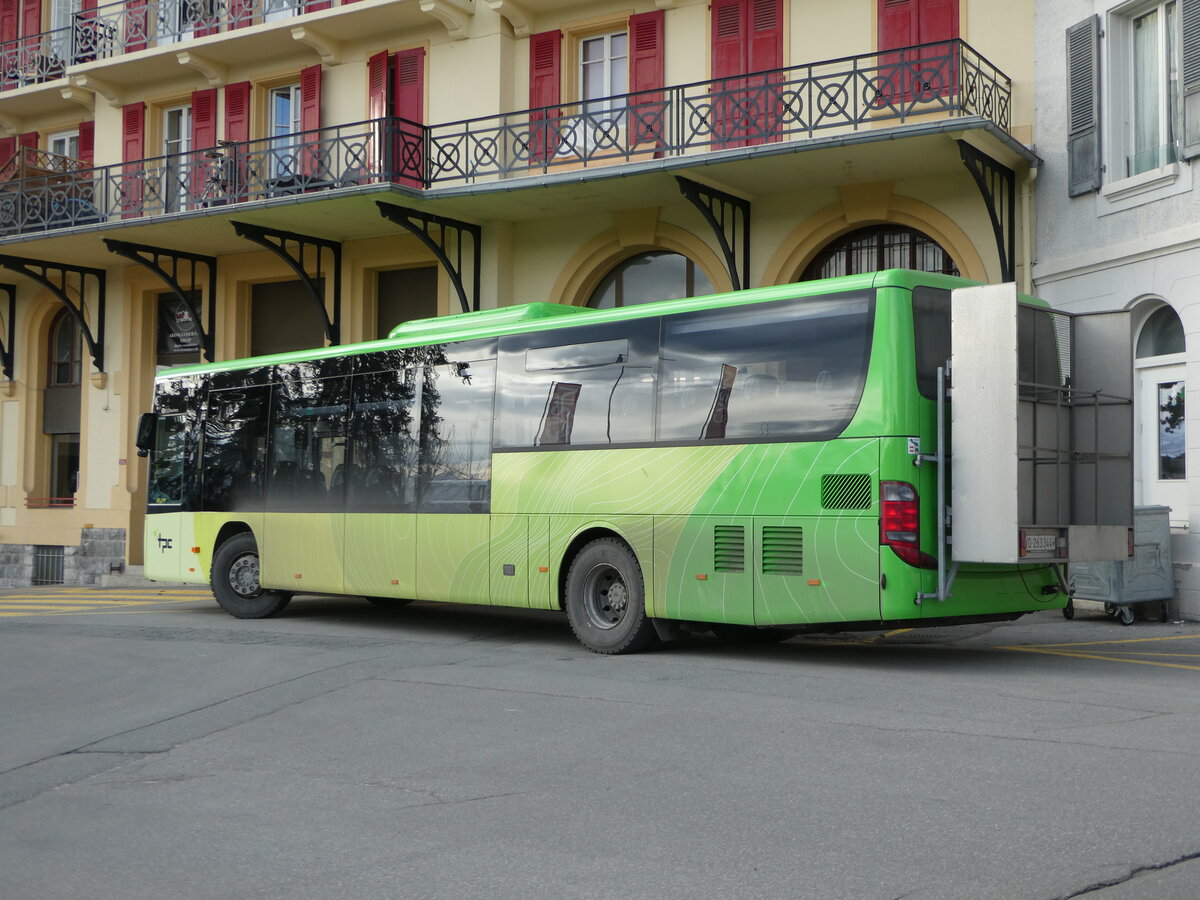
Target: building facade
[(1118, 120), (211, 179)]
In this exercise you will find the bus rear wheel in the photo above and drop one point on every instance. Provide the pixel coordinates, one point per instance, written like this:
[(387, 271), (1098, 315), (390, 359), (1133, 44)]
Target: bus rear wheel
[(606, 599), (235, 581)]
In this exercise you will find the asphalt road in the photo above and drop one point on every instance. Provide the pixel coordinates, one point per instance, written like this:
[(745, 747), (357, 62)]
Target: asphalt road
[(152, 747)]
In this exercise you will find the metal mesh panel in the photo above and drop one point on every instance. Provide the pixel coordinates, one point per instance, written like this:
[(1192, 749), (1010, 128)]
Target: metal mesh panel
[(846, 491)]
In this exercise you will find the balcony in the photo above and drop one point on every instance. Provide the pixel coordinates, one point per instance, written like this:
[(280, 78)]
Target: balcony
[(779, 110)]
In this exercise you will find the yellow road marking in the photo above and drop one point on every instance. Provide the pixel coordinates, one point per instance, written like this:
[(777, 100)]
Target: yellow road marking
[(1074, 650)]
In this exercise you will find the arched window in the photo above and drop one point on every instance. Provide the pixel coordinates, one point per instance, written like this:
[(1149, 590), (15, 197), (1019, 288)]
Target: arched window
[(1161, 449), (880, 247), (657, 275), (66, 352), (1161, 334)]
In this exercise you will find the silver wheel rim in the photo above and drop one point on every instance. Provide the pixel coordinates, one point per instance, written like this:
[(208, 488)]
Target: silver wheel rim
[(605, 597), (243, 576)]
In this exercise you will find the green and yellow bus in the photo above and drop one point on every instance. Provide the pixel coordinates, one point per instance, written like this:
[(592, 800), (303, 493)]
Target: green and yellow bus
[(746, 464)]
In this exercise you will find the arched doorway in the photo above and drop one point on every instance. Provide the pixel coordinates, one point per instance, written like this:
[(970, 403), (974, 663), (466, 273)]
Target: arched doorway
[(1161, 454), (650, 276), (879, 247), (61, 407)]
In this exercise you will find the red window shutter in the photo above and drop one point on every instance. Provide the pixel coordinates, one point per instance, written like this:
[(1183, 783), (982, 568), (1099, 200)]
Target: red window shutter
[(31, 17), (728, 38), (137, 24), (8, 149), (937, 20), (408, 104), (315, 5), (897, 23), (409, 95), (87, 142), (133, 122), (646, 65), (241, 13), (545, 89), (237, 111), (545, 68), (377, 85), (28, 139), (204, 120), (766, 35), (310, 98), (9, 16), (133, 137), (647, 73)]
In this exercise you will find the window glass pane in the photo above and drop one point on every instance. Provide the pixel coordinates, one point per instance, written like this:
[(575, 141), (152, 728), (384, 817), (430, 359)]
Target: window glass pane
[(589, 386), (791, 369), (931, 330), (658, 275), (1162, 334), (166, 462), (455, 469), (308, 441), (235, 448), (1147, 85), (1172, 443), (593, 49), (384, 441)]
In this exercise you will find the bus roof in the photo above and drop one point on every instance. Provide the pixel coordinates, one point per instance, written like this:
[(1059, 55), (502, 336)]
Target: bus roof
[(545, 316)]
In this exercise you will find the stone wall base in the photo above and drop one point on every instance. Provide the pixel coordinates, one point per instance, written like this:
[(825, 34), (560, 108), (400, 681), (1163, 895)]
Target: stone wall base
[(100, 551)]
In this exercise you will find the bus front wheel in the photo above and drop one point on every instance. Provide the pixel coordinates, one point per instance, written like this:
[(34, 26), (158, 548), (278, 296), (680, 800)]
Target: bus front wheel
[(235, 581), (606, 599)]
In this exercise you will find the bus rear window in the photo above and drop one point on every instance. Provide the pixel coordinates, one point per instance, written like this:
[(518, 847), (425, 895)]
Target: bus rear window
[(931, 331)]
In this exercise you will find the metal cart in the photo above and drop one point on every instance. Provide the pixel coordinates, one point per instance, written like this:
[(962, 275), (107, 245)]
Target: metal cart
[(1146, 578)]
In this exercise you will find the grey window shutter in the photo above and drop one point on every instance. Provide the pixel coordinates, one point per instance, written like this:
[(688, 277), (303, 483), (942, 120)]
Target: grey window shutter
[(1189, 70), (1083, 106)]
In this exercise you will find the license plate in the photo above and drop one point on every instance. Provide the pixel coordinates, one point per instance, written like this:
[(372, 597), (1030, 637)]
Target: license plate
[(1041, 543)]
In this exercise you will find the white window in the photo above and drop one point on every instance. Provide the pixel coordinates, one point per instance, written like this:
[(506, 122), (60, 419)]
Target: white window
[(603, 70), (274, 10), (177, 141), (64, 143), (283, 129), (1151, 53), (62, 21)]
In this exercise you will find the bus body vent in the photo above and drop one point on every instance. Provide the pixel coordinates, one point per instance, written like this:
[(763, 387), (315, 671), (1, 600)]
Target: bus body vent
[(729, 548), (846, 491), (782, 550)]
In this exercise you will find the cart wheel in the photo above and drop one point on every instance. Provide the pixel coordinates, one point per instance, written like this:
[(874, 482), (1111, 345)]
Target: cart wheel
[(1125, 615), (1069, 610), (1110, 610)]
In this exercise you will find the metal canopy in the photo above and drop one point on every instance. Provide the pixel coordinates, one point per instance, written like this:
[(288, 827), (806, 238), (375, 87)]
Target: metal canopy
[(998, 185), (729, 218), (61, 279), (278, 243), (10, 331), (451, 231), (151, 258)]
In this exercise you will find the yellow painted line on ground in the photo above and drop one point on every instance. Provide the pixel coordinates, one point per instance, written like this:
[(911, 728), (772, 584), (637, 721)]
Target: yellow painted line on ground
[(1141, 662), (1108, 651), (1169, 637)]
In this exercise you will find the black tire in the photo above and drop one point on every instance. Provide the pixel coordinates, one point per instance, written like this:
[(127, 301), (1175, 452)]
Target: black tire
[(388, 602), (1125, 615), (1069, 610), (748, 634), (235, 581), (606, 599)]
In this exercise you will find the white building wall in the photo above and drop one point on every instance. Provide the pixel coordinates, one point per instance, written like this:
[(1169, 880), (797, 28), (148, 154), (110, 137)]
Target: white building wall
[(1133, 244)]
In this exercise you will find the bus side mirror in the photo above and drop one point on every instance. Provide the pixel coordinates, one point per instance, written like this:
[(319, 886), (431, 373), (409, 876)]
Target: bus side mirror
[(147, 426)]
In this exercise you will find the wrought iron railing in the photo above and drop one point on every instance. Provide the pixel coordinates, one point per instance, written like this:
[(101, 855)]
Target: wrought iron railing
[(341, 156), (130, 25), (935, 81), (943, 79)]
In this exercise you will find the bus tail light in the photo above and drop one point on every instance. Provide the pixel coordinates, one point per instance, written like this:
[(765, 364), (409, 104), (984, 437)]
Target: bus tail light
[(900, 523)]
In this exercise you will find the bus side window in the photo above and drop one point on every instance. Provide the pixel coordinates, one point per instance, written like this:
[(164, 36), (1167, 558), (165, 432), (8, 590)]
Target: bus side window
[(383, 441), (235, 443), (308, 442)]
